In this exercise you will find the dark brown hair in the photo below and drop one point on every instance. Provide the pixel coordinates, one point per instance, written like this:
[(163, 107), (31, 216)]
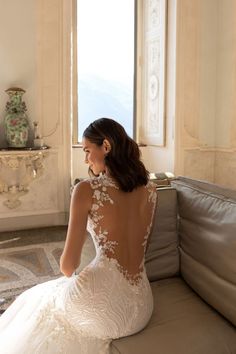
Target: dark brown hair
[(123, 160)]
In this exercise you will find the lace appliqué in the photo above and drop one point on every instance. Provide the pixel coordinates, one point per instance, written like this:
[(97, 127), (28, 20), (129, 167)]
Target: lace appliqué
[(51, 317), (106, 244), (151, 187), (133, 279), (152, 198), (100, 196)]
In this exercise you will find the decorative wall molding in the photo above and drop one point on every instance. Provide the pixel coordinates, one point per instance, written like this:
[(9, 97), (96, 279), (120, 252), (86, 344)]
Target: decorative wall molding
[(211, 149), (154, 57), (194, 169), (18, 169), (43, 192), (217, 165), (54, 86), (205, 91)]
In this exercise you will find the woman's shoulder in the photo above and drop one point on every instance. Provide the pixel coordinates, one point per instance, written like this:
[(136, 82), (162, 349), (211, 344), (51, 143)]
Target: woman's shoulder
[(82, 187), (81, 195)]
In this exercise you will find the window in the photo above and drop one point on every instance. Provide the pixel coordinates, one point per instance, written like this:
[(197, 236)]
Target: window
[(105, 62)]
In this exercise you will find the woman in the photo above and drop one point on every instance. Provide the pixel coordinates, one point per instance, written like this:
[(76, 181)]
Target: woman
[(111, 297)]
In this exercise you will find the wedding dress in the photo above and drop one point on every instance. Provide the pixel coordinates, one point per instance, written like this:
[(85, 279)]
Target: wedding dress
[(108, 299)]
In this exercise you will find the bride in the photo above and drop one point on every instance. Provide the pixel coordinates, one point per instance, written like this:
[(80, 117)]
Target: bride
[(111, 297)]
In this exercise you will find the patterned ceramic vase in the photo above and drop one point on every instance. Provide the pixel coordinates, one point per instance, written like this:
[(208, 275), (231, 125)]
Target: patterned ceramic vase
[(16, 121)]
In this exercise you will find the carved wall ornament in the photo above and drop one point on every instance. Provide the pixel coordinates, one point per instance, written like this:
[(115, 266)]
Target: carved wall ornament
[(153, 87), (153, 112), (17, 170), (154, 13)]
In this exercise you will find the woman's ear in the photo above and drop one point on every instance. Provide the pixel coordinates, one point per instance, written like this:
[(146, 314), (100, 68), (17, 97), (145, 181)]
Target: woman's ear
[(106, 145)]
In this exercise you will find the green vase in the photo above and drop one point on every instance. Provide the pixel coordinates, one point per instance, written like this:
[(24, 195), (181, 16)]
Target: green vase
[(16, 122)]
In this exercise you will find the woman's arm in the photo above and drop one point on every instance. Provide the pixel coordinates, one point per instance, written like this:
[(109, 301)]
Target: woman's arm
[(80, 205)]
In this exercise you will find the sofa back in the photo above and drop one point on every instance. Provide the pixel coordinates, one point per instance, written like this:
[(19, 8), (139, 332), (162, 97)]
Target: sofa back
[(207, 232), (162, 257)]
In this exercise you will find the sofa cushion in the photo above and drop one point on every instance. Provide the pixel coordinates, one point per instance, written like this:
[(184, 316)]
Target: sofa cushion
[(181, 324), (207, 232), (162, 257)]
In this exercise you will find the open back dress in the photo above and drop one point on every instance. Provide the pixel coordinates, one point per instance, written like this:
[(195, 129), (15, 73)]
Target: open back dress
[(110, 298)]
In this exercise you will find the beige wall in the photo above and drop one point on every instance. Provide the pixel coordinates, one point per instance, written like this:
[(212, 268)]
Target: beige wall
[(34, 40), (206, 88), (201, 90), (17, 53), (226, 83)]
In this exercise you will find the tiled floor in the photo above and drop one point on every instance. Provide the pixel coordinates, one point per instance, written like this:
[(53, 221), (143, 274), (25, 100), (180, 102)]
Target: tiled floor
[(29, 257), (32, 236)]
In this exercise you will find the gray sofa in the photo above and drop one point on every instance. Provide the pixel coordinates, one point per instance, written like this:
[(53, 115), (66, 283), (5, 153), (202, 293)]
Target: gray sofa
[(191, 264)]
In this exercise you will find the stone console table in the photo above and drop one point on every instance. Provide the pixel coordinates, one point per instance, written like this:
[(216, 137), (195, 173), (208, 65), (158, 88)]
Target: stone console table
[(18, 168)]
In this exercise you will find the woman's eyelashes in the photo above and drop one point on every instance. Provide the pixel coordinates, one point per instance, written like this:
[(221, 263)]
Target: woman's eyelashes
[(86, 153)]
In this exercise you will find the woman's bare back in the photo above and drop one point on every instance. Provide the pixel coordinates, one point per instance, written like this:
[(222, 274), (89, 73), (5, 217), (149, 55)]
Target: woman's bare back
[(123, 222)]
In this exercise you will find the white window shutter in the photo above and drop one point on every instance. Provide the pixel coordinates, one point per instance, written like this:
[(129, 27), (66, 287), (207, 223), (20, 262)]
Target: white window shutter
[(153, 76)]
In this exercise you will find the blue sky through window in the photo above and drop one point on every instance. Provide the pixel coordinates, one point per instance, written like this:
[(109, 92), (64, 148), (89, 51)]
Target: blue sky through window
[(105, 52)]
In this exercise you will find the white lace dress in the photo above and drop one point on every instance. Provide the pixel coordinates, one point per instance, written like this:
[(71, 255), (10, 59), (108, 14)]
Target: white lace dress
[(83, 313)]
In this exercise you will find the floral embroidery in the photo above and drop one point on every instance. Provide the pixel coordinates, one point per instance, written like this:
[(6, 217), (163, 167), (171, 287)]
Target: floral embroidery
[(106, 244), (100, 196)]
